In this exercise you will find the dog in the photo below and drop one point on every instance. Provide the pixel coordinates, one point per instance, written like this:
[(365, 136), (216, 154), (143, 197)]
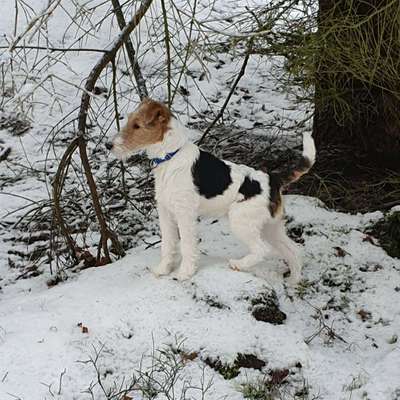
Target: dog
[(190, 182)]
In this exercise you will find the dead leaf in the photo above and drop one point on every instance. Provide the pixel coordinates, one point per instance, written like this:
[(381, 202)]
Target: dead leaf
[(364, 315), (340, 252), (84, 328), (369, 239), (189, 356), (102, 261), (88, 259), (278, 376)]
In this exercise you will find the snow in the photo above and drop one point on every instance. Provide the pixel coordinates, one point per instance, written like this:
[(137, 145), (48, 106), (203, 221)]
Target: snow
[(129, 313)]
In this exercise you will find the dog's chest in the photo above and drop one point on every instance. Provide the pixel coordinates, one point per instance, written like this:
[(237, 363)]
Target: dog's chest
[(173, 185)]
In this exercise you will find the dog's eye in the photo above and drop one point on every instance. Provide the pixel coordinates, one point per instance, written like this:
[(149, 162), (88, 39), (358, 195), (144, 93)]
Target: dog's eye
[(135, 126)]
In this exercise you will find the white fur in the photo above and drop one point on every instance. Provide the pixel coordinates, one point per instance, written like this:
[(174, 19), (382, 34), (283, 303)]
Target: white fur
[(179, 206), (119, 149), (309, 147)]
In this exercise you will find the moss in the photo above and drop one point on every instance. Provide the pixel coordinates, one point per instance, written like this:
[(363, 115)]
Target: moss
[(303, 288), (230, 371), (387, 231)]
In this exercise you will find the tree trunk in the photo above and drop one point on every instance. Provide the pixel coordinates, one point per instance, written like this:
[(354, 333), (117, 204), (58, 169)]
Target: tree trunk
[(357, 96)]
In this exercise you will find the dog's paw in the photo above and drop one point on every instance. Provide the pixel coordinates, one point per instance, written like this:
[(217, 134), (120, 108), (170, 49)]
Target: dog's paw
[(184, 274), (236, 265), (161, 269)]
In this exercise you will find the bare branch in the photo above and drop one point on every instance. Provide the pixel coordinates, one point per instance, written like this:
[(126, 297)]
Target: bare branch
[(43, 15), (233, 88), (80, 142), (60, 49), (137, 73)]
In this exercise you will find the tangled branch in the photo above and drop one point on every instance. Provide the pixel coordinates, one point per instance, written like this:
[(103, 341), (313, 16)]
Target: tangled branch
[(80, 143)]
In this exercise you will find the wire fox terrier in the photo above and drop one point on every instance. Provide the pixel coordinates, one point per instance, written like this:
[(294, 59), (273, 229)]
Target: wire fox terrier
[(190, 182)]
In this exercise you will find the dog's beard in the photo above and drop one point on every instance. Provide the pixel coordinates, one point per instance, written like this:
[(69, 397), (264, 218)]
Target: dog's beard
[(121, 152)]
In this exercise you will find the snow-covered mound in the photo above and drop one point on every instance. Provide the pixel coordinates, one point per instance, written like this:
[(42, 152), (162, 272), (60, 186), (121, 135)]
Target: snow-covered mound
[(338, 341)]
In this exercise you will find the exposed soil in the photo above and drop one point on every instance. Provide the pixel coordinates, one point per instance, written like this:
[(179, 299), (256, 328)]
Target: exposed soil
[(265, 308)]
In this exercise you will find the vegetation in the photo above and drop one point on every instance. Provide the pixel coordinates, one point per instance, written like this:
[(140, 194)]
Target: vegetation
[(387, 230), (276, 385)]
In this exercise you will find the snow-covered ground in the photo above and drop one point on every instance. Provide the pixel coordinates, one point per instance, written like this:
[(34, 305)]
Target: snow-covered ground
[(129, 313), (340, 337)]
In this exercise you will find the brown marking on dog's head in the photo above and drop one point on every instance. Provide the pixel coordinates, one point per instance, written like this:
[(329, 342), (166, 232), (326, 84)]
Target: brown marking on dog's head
[(145, 126)]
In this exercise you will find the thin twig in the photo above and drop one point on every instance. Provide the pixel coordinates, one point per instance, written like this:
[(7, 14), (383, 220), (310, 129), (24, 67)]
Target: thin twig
[(44, 14), (167, 49), (60, 381), (233, 88), (53, 49), (137, 73)]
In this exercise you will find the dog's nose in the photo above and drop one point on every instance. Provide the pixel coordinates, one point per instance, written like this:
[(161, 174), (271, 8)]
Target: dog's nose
[(109, 145)]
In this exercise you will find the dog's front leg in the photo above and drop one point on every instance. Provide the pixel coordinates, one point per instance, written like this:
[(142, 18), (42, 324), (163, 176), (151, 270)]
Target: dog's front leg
[(169, 241), (187, 224)]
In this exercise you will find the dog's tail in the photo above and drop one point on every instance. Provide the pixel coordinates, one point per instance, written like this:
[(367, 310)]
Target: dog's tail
[(303, 165)]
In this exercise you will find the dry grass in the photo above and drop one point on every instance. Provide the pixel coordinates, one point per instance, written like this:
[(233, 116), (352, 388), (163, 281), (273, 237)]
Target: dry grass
[(346, 186)]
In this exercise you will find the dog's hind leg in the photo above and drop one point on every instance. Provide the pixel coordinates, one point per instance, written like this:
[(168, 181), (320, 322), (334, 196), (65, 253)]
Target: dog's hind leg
[(275, 233), (247, 221)]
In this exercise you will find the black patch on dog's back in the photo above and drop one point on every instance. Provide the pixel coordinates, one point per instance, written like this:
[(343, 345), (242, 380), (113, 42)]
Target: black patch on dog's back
[(211, 175), (249, 188)]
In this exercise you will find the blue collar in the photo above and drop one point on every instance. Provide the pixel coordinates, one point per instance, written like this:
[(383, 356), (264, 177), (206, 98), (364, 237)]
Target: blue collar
[(157, 161)]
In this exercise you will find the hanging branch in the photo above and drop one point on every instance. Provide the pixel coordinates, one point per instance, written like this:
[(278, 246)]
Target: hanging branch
[(105, 59), (167, 49), (80, 143), (137, 73)]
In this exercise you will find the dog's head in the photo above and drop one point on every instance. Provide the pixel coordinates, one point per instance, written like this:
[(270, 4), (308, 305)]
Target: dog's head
[(144, 127)]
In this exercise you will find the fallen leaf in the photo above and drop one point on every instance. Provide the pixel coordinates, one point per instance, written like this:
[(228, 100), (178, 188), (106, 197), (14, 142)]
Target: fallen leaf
[(341, 252), (364, 315), (278, 376), (369, 239), (189, 356)]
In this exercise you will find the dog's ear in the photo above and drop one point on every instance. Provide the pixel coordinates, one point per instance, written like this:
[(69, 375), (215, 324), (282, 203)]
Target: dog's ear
[(157, 113), (146, 100)]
